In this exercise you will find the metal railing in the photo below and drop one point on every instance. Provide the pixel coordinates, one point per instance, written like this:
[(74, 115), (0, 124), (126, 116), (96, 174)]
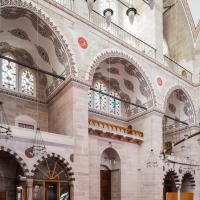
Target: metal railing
[(130, 39), (177, 68), (66, 3), (122, 34)]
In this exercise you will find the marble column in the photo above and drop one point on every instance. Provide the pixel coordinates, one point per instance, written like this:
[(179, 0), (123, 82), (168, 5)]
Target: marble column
[(29, 184)]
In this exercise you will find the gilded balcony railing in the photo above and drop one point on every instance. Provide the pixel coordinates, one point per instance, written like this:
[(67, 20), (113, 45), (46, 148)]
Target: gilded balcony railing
[(114, 127)]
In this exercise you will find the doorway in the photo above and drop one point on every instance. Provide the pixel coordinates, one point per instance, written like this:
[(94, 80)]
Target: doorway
[(110, 175), (105, 184)]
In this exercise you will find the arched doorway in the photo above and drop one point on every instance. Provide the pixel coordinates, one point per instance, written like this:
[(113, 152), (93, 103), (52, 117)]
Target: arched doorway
[(11, 173), (110, 175), (51, 180), (170, 189), (187, 186)]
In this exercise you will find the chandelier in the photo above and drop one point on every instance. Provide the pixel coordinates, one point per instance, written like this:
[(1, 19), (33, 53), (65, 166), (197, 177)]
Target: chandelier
[(90, 4), (5, 131), (152, 161), (38, 148)]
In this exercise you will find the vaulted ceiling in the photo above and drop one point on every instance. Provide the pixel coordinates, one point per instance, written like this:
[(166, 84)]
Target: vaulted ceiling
[(30, 40)]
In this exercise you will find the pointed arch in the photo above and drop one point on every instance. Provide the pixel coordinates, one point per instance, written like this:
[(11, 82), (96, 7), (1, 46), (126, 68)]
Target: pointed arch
[(70, 64), (61, 160), (20, 161), (179, 87), (116, 53)]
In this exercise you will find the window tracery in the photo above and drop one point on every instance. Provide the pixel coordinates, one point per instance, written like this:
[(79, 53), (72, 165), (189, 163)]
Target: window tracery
[(9, 74), (114, 104), (11, 78), (27, 82), (101, 101)]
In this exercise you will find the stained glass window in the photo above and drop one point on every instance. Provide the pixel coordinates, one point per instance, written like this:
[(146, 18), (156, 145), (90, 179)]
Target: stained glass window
[(100, 99), (8, 74), (114, 104), (27, 82)]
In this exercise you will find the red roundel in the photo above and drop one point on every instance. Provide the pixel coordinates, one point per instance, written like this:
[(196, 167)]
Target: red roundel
[(159, 81), (82, 42)]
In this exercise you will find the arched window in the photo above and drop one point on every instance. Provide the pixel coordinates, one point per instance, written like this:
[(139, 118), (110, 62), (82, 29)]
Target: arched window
[(114, 104), (51, 180), (27, 82), (9, 78), (100, 99)]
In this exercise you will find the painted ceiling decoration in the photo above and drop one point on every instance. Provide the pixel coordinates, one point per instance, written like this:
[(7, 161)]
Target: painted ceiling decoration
[(180, 105), (129, 85), (123, 77), (191, 8), (13, 13), (113, 70), (172, 108), (20, 54), (20, 34), (42, 52)]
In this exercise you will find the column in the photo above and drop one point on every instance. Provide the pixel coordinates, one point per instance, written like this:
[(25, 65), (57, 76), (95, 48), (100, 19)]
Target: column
[(29, 184), (150, 179), (179, 192)]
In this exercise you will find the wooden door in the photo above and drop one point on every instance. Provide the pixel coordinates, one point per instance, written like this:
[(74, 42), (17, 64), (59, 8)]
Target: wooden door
[(2, 195), (51, 191), (187, 196), (184, 196), (105, 183)]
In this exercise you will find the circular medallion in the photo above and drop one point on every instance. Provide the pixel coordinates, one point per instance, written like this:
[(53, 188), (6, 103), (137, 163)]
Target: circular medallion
[(82, 42), (29, 152), (159, 81)]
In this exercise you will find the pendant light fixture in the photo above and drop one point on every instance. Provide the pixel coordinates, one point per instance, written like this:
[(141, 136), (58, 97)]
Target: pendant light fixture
[(151, 3), (39, 148), (5, 131), (108, 13), (131, 12), (152, 160), (90, 5)]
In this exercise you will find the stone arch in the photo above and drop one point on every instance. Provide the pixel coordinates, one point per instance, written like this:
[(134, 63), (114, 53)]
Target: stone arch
[(120, 54), (65, 163), (43, 16), (187, 176), (21, 162), (174, 175), (170, 91)]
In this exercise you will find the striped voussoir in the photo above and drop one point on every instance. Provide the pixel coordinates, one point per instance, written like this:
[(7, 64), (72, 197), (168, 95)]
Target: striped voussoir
[(65, 164), (175, 176), (190, 177), (18, 159)]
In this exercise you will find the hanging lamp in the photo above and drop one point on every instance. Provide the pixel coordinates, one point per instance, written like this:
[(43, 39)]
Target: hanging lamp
[(39, 148), (131, 12), (90, 5), (5, 131), (152, 161), (108, 13), (151, 3)]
